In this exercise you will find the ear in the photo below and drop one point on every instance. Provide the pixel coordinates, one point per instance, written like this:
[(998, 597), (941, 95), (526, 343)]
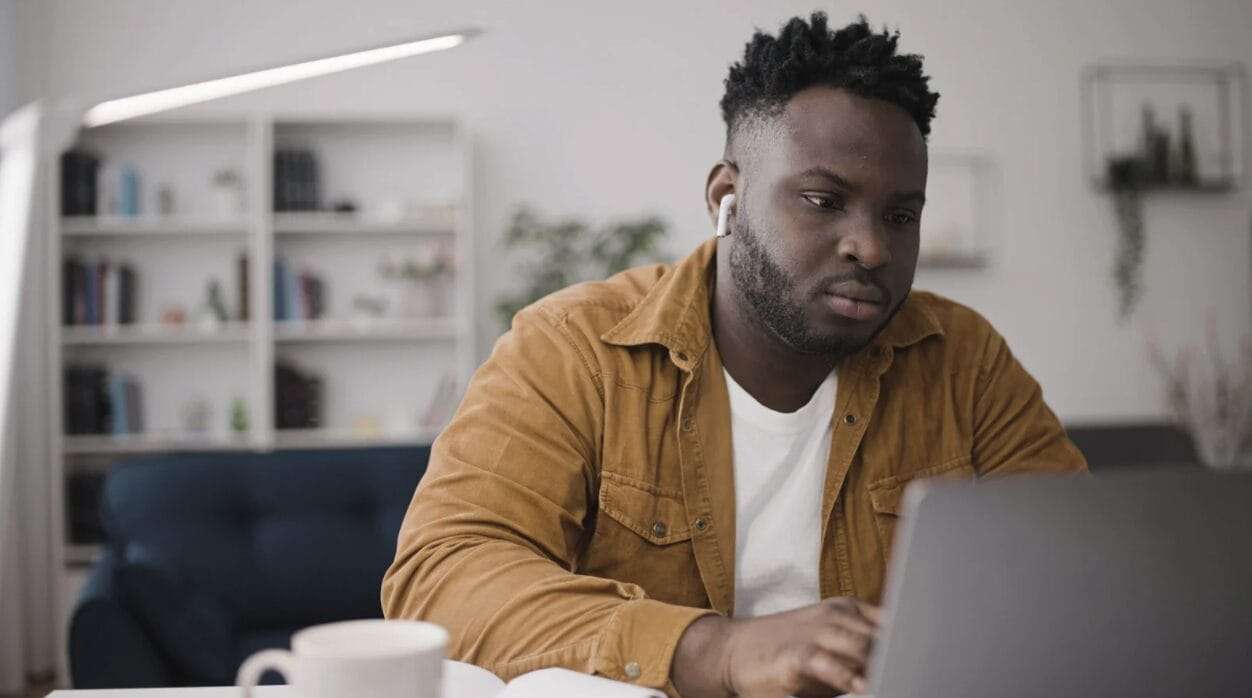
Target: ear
[(720, 183)]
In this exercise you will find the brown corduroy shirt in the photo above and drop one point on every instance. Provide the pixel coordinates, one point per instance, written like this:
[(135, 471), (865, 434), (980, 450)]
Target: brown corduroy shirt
[(579, 509)]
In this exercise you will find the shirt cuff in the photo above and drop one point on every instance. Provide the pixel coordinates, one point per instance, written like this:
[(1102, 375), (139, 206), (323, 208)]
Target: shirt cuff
[(638, 645)]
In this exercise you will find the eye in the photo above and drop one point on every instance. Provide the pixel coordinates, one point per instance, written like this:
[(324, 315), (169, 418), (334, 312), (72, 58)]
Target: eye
[(901, 217), (824, 200)]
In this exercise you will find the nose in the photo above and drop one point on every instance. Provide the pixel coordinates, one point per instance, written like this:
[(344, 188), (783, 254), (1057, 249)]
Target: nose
[(864, 243)]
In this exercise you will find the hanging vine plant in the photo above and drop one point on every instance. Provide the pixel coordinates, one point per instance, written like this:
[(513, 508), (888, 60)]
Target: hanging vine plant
[(1126, 183)]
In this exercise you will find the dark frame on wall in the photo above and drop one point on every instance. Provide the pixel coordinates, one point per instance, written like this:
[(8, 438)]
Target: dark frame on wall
[(1178, 127)]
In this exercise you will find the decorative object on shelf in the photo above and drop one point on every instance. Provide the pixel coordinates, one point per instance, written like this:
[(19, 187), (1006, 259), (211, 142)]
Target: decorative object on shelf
[(955, 227), (1160, 127), (296, 180), (164, 200), (556, 254), (1166, 126), (1211, 399), (239, 415), (368, 307), (344, 205), (173, 315), (366, 427), (227, 190), (79, 175), (197, 416), (420, 285), (212, 310)]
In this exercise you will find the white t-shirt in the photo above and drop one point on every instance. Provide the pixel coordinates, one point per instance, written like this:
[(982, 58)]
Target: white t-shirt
[(780, 469)]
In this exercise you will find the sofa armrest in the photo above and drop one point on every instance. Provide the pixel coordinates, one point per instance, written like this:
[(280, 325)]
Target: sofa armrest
[(107, 646)]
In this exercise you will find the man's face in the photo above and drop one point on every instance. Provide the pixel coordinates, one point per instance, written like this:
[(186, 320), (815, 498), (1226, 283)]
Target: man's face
[(828, 206)]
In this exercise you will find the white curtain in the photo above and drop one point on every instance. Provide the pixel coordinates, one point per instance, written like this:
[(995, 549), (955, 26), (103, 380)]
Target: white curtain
[(28, 579)]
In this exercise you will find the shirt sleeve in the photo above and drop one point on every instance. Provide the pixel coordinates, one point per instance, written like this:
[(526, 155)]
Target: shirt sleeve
[(1014, 429), (489, 544)]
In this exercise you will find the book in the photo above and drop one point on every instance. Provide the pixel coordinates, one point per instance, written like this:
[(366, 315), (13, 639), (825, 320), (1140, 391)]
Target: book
[(127, 292), (117, 404), (241, 295)]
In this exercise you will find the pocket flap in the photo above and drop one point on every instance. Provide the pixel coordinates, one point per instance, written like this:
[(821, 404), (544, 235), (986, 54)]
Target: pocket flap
[(887, 494), (660, 517)]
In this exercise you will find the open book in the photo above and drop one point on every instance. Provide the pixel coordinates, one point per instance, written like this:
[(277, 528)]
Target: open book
[(466, 679)]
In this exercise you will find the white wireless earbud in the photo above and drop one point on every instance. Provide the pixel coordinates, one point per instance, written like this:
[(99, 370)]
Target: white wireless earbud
[(723, 214)]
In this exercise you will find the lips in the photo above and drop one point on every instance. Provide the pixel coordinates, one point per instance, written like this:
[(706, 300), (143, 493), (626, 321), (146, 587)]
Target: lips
[(855, 301)]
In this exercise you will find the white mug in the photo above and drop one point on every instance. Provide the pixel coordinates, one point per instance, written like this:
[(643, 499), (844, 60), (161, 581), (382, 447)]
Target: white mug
[(376, 658)]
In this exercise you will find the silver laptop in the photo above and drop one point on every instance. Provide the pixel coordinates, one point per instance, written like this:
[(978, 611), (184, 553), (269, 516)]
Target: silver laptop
[(1136, 584)]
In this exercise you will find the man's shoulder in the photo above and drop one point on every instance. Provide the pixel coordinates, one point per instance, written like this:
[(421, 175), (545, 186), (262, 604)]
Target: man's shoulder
[(592, 308), (963, 330)]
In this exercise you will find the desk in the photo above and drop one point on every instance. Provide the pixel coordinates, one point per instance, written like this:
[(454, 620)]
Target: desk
[(460, 680)]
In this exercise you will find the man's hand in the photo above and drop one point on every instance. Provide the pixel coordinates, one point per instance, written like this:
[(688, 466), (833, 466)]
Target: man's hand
[(811, 651)]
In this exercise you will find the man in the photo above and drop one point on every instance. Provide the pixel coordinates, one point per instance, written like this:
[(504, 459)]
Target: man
[(688, 477)]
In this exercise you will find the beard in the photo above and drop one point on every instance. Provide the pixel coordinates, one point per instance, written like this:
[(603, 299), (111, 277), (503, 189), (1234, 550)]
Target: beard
[(771, 299)]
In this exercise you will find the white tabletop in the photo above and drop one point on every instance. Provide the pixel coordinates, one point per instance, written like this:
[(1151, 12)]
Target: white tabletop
[(460, 680)]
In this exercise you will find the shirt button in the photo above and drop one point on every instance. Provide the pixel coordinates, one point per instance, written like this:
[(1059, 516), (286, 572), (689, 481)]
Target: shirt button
[(682, 355), (689, 424), (632, 670), (659, 530), (849, 419), (700, 524)]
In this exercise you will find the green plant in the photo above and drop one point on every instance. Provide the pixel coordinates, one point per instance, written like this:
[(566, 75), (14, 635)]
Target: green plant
[(558, 253)]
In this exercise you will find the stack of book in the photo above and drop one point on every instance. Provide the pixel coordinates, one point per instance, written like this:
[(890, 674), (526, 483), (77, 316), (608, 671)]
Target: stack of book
[(299, 296), (100, 402), (98, 292), (295, 180), (297, 398)]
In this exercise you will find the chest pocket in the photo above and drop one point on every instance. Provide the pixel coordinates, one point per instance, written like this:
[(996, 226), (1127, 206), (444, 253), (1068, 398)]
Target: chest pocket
[(643, 537), (887, 495)]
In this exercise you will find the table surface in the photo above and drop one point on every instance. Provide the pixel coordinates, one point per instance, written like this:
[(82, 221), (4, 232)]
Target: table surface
[(460, 680)]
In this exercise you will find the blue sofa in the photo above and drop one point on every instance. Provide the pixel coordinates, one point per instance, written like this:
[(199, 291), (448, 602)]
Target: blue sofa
[(213, 556)]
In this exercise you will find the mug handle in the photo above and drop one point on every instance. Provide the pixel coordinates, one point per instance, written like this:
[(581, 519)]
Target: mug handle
[(250, 671)]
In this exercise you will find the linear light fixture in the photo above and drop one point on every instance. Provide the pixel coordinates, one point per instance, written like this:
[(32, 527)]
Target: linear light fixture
[(162, 100)]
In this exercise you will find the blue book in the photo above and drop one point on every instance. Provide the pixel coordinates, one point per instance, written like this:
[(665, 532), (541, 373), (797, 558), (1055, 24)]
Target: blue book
[(295, 306), (117, 404), (280, 290)]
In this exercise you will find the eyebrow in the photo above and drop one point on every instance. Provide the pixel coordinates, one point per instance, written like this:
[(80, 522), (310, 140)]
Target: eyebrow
[(823, 173)]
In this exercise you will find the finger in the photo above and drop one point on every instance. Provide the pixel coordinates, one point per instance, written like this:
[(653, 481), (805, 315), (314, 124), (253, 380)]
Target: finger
[(870, 612), (847, 615), (848, 644), (831, 672)]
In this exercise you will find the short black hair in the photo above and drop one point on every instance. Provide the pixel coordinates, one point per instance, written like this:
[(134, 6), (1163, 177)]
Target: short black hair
[(808, 54)]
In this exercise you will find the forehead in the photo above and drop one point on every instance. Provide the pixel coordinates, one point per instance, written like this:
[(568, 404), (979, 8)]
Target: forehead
[(852, 135)]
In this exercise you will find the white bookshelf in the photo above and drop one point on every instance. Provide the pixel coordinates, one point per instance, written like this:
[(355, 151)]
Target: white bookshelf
[(410, 180)]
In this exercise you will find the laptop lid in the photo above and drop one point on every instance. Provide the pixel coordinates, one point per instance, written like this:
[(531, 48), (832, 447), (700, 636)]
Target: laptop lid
[(1137, 583)]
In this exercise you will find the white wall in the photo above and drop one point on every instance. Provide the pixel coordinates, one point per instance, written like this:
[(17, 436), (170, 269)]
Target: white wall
[(605, 109)]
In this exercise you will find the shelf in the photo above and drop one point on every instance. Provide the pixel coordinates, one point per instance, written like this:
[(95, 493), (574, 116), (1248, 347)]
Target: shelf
[(102, 444), (82, 554), (436, 221), (348, 438), (365, 330), (99, 335), (152, 226)]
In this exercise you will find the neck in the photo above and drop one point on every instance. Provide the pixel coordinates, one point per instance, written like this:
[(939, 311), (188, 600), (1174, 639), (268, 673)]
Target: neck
[(773, 373)]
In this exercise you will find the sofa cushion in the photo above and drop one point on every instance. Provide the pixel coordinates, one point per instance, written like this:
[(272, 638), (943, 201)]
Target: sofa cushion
[(193, 628), (283, 539)]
